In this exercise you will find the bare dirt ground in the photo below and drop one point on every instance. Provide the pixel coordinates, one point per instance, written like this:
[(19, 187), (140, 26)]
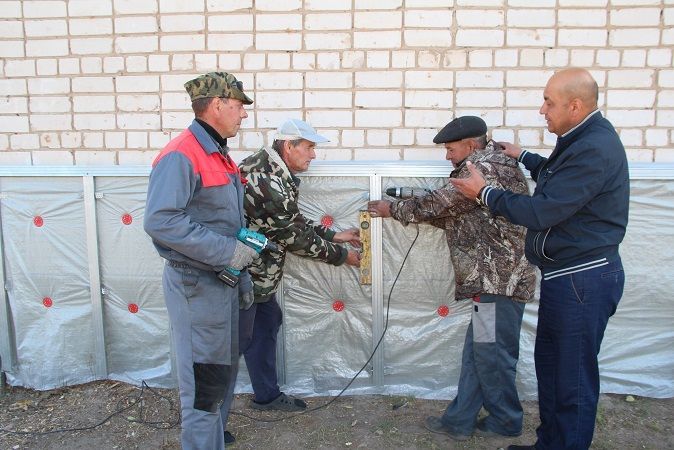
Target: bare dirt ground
[(147, 419)]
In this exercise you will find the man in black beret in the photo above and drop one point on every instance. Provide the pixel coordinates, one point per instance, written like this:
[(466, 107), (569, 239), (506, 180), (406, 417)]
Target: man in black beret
[(490, 269), (461, 128)]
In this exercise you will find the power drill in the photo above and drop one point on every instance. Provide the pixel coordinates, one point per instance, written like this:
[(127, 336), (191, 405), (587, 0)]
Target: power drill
[(252, 239), (406, 192)]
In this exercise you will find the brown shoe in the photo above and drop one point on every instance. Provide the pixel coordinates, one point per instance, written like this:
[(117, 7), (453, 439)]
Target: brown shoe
[(482, 431), (435, 425)]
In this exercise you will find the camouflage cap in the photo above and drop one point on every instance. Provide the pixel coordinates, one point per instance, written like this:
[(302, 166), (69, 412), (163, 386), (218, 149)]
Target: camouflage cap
[(217, 84)]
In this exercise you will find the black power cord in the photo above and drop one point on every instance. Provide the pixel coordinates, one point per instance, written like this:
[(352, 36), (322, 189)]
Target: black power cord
[(137, 401), (325, 405)]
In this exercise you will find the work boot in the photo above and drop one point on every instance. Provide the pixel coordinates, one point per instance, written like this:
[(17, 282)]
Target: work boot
[(435, 425), (482, 431), (229, 438)]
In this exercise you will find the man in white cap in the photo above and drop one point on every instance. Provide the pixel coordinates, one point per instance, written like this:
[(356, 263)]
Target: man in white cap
[(270, 204)]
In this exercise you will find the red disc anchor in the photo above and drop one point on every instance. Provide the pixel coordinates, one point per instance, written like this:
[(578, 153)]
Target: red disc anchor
[(327, 221)]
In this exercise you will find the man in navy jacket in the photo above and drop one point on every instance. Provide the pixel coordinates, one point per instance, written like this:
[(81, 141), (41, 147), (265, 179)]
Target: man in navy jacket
[(575, 221)]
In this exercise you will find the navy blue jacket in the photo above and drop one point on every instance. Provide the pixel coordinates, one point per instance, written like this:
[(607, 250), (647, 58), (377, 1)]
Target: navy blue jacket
[(578, 212)]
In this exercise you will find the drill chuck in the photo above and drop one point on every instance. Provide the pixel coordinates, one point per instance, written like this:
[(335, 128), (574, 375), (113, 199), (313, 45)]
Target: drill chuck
[(406, 192)]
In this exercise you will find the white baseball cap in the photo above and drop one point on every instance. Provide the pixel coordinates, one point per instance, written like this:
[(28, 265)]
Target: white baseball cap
[(293, 129)]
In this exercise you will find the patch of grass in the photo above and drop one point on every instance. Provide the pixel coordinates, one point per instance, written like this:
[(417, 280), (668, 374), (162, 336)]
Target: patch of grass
[(401, 401), (386, 426), (642, 412), (654, 426), (428, 444), (601, 416), (602, 445), (326, 435)]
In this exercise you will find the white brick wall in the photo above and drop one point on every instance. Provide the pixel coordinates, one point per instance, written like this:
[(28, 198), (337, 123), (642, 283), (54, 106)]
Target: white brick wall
[(453, 59), (581, 18), (101, 82), (89, 8)]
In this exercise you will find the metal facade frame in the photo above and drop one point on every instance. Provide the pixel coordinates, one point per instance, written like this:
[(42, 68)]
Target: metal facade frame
[(638, 171), (374, 170)]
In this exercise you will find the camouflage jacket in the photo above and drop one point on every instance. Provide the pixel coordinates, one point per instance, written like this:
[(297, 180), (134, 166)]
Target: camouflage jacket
[(487, 251), (270, 203)]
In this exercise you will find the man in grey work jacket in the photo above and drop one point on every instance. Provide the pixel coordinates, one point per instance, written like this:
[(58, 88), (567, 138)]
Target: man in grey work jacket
[(576, 219), (193, 213)]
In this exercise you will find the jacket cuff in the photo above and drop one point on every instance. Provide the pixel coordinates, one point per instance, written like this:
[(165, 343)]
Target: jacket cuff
[(522, 155), (483, 196), (393, 208), (343, 253), (329, 234)]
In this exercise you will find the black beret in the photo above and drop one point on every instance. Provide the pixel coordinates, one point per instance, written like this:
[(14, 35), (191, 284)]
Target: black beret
[(461, 128)]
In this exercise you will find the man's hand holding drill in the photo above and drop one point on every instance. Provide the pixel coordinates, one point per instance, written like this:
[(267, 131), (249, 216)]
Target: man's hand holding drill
[(242, 257), (379, 208)]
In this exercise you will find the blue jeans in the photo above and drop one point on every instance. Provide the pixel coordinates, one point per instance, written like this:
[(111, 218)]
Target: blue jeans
[(258, 330), (488, 369), (572, 317)]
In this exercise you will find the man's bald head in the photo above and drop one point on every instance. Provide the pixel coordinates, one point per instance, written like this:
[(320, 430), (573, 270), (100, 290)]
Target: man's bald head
[(570, 95), (577, 83)]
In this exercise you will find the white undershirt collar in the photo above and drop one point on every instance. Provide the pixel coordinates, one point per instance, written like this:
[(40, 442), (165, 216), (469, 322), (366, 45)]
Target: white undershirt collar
[(584, 120)]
